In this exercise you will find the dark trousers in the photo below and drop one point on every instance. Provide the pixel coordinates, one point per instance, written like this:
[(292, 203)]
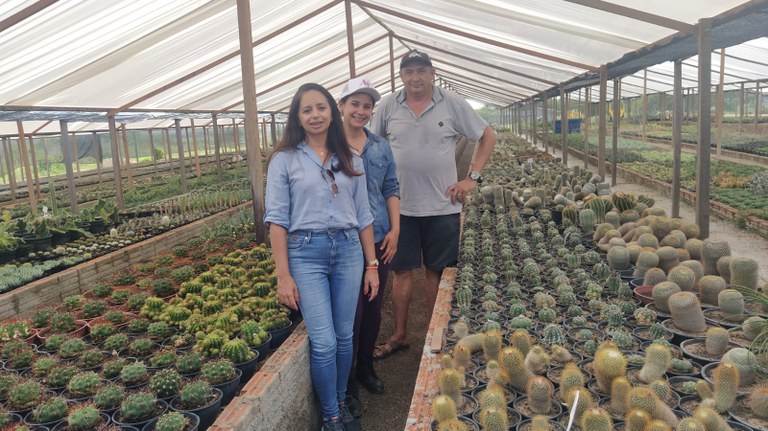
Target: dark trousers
[(368, 316)]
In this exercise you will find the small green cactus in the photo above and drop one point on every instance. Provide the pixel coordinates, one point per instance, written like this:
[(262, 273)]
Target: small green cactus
[(24, 395), (165, 383), (644, 316), (172, 421), (84, 384), (137, 407), (134, 374), (658, 358), (540, 391), (72, 348), (450, 382), (50, 410), (83, 418), (237, 351), (195, 394), (726, 380), (596, 419), (112, 368), (109, 396), (609, 363), (218, 371)]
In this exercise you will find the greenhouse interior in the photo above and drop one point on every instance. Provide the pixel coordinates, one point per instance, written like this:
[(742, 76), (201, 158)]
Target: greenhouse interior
[(629, 177)]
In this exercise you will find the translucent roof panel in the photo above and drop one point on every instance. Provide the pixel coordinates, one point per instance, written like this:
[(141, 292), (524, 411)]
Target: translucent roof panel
[(169, 55)]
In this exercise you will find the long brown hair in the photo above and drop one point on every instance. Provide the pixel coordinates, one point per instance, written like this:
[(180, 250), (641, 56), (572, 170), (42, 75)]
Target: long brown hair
[(337, 141)]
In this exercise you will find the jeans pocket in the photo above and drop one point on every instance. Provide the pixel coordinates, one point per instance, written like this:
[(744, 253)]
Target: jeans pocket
[(297, 241)]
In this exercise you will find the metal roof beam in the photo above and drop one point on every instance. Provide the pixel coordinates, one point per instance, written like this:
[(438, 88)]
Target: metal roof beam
[(639, 15), (25, 13), (486, 85), (475, 37)]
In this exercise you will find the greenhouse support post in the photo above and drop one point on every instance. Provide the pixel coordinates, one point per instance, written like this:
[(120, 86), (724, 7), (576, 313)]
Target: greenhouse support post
[(9, 167), (350, 38), (720, 103), (25, 160), (34, 164), (273, 129), (99, 161), (585, 124), (2, 156), (127, 155), (66, 151), (253, 154), (116, 173), (152, 150), (564, 123), (205, 143), (391, 62), (677, 128), (135, 146), (544, 122), (216, 145), (601, 119), (194, 147), (757, 104), (182, 162), (21, 168), (533, 121), (705, 125), (75, 154), (616, 124), (741, 105), (645, 100)]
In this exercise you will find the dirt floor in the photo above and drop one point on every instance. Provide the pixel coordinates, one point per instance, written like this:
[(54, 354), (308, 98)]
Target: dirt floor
[(388, 411)]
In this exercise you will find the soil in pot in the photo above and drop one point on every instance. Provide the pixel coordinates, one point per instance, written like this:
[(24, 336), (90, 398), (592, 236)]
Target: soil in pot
[(681, 335), (521, 405), (695, 348), (470, 423), (737, 336), (717, 316), (525, 425)]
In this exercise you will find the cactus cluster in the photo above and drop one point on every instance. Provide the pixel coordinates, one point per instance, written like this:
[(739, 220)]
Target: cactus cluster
[(137, 407), (165, 383), (83, 418), (196, 394)]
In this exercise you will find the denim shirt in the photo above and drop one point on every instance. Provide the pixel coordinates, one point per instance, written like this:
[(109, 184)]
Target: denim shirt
[(380, 173), (299, 197)]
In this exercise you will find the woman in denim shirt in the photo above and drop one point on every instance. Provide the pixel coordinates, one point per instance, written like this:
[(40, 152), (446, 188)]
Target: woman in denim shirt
[(357, 100), (318, 215)]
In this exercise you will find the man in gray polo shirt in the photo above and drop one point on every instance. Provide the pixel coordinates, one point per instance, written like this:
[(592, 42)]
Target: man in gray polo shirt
[(423, 123)]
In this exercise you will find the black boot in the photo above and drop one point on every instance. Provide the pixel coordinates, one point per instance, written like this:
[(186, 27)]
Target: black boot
[(352, 401), (367, 376)]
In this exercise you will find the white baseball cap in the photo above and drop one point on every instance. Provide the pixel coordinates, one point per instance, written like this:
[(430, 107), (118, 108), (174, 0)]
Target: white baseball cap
[(360, 85)]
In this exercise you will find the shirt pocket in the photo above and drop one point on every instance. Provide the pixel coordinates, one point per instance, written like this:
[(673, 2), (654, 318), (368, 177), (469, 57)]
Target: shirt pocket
[(376, 170)]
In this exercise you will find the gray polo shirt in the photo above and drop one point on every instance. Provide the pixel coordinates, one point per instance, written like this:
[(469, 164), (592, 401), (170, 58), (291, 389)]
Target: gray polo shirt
[(425, 147)]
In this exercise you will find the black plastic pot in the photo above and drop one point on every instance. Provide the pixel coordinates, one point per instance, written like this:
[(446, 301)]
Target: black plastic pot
[(207, 413), (39, 244), (263, 348), (98, 225), (59, 238), (116, 416), (194, 425), (229, 389), (248, 368), (7, 256), (280, 335)]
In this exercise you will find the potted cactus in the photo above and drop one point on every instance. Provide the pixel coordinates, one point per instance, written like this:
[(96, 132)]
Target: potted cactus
[(223, 375), (111, 369), (200, 398), (109, 397), (174, 421), (83, 417), (83, 385), (59, 376), (189, 364), (257, 338), (24, 395), (165, 383), (48, 413), (245, 359), (163, 358), (134, 375), (138, 409)]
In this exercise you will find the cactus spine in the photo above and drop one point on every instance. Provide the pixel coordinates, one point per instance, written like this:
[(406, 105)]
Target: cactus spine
[(758, 402), (717, 340), (637, 420), (620, 388), (686, 312), (744, 272), (492, 342), (540, 391), (726, 380), (658, 358), (654, 276), (710, 287), (683, 277), (513, 364), (443, 408), (521, 339), (690, 424), (570, 378), (731, 303), (609, 363), (618, 258), (711, 251), (450, 383), (661, 293)]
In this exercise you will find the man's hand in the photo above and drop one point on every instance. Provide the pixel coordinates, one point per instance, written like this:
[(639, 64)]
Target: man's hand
[(459, 190)]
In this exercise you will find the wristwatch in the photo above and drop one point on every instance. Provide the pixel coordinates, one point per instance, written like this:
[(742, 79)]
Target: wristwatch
[(476, 177), (374, 262)]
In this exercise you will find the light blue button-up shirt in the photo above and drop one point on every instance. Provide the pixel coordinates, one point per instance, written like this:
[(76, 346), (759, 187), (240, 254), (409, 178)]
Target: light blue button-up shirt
[(381, 176), (299, 197)]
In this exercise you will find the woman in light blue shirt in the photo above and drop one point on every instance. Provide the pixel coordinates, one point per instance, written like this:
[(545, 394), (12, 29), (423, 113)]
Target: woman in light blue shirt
[(318, 215), (358, 98)]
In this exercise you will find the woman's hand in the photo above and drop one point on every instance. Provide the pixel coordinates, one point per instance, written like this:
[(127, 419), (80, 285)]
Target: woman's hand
[(389, 245), (287, 292), (371, 285)]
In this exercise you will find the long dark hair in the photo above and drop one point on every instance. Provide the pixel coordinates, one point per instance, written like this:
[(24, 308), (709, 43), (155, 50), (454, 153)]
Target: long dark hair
[(337, 141)]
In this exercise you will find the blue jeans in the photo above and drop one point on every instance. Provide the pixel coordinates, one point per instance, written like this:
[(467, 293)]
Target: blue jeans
[(327, 268)]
